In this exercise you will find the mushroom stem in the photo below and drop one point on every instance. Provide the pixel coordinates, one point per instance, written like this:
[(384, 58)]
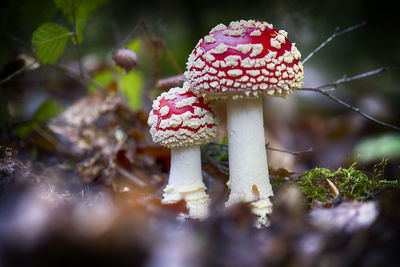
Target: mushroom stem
[(185, 181), (248, 168)]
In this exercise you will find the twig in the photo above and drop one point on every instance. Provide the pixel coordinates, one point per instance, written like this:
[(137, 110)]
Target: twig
[(169, 55), (157, 42), (295, 153), (19, 71), (72, 74), (333, 188), (130, 177), (275, 149), (167, 83), (130, 34), (356, 77), (334, 98), (223, 168), (334, 35), (320, 89), (45, 135)]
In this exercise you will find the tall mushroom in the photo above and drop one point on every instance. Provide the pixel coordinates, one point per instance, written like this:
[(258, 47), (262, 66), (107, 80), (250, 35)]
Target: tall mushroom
[(242, 62), (182, 121)]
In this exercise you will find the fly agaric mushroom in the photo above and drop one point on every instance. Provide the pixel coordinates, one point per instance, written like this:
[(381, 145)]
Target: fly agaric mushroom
[(242, 62), (182, 121)]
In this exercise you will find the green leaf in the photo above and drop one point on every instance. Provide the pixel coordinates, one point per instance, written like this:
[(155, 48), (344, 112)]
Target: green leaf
[(134, 45), (80, 26), (375, 148), (50, 40), (68, 7), (81, 9), (103, 78), (131, 85), (88, 7), (24, 130), (47, 110)]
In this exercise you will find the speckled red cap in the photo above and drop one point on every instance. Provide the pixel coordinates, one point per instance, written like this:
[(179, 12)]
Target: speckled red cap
[(180, 118), (245, 59)]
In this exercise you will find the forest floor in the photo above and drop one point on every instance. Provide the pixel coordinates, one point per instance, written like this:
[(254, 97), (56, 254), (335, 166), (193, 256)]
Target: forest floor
[(91, 196)]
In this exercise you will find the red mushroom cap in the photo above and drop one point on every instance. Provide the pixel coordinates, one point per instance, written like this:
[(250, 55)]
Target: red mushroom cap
[(180, 118), (246, 58)]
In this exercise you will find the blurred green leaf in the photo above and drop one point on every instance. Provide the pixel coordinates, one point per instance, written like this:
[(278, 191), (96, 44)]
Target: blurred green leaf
[(225, 140), (135, 45), (68, 7), (376, 148), (88, 7), (102, 78), (80, 26), (47, 110), (50, 40), (24, 130), (131, 85), (82, 9)]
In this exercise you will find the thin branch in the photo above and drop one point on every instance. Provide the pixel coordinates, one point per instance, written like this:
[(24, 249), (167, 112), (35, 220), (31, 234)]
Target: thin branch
[(158, 42), (169, 55), (19, 71), (72, 74), (356, 77), (331, 86), (295, 153), (131, 33), (129, 176), (222, 167), (167, 83), (334, 35), (355, 109)]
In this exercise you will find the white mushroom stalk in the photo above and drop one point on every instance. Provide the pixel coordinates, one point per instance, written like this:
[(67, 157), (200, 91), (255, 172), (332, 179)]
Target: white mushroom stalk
[(248, 168), (242, 62), (182, 121)]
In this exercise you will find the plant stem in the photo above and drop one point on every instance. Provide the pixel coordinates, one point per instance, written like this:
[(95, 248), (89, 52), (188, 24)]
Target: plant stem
[(77, 46)]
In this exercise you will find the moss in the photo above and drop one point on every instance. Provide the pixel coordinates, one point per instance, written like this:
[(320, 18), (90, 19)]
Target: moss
[(348, 181)]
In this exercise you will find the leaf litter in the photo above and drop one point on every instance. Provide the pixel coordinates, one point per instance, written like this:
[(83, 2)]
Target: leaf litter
[(100, 204)]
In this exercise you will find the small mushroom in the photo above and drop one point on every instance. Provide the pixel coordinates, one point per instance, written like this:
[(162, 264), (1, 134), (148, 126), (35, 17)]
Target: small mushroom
[(182, 121), (242, 62)]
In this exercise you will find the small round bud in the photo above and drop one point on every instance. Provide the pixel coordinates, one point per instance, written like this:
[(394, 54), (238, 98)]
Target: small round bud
[(125, 58)]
